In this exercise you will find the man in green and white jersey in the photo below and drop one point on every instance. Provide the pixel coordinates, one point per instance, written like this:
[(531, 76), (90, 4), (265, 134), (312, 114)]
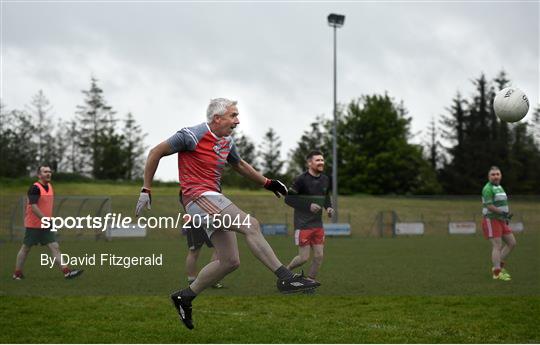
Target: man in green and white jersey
[(495, 223)]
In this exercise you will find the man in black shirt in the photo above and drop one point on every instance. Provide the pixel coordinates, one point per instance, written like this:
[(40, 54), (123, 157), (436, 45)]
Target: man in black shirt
[(309, 194)]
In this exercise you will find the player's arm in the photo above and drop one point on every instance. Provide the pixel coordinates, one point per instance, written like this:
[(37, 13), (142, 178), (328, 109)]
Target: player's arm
[(245, 169), (152, 162), (180, 141), (33, 196), (494, 209), (488, 199), (37, 211), (328, 201), (506, 215), (294, 199)]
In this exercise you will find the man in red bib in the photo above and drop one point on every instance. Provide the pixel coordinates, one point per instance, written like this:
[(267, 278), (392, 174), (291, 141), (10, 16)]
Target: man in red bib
[(39, 204)]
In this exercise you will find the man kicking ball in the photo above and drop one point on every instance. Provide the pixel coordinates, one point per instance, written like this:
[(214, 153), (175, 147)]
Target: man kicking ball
[(203, 150), (309, 194)]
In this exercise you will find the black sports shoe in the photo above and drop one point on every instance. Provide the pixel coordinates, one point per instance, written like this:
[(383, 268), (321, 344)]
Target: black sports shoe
[(308, 277), (73, 274), (297, 283), (183, 308)]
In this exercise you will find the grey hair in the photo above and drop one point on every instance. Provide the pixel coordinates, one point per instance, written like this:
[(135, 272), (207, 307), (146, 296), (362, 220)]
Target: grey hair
[(493, 167), (218, 106)]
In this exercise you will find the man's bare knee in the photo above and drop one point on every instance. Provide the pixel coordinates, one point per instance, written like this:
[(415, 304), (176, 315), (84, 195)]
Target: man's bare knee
[(25, 249), (318, 257), (253, 228), (194, 254), (303, 258), (54, 247), (230, 264), (496, 245)]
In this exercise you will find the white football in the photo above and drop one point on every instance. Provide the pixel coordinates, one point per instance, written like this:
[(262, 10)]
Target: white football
[(511, 104)]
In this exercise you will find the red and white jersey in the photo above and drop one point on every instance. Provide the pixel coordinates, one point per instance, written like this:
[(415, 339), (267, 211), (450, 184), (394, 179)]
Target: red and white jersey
[(201, 158)]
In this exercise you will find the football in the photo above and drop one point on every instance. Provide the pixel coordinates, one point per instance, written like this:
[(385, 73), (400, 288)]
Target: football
[(511, 104)]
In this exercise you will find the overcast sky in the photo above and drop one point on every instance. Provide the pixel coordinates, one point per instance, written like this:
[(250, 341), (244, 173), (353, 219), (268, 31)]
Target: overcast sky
[(164, 61)]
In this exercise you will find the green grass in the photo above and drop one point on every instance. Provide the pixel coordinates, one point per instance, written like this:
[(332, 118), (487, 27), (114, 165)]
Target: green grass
[(430, 265), (415, 290), (430, 289), (280, 319)]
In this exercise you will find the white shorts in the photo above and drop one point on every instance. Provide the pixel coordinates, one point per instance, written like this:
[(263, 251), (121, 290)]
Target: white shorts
[(207, 204)]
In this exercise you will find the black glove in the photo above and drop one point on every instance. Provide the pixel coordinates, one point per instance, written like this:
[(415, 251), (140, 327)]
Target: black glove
[(277, 187)]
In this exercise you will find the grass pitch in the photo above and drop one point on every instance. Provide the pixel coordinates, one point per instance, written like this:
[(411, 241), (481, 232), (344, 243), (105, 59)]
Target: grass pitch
[(412, 290), (430, 289), (279, 319)]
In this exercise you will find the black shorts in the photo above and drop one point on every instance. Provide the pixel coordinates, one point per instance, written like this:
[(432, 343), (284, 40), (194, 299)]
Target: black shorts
[(34, 237), (196, 237)]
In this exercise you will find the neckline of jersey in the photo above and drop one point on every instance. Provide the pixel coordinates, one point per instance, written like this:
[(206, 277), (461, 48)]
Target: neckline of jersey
[(310, 174), (213, 134)]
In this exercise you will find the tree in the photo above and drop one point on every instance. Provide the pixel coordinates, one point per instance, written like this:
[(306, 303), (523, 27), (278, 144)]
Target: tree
[(312, 139), (111, 163), (5, 139), (246, 150), (453, 130), (477, 147), (433, 145), (270, 154), (17, 149), (374, 153), (39, 109), (480, 140), (535, 123), (500, 132), (134, 148), (536, 136), (95, 119), (73, 161), (50, 146)]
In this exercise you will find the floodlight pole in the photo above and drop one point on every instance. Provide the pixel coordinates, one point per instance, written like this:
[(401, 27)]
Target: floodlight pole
[(334, 139), (335, 21)]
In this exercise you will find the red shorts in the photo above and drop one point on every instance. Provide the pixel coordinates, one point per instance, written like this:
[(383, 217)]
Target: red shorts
[(309, 237), (495, 228)]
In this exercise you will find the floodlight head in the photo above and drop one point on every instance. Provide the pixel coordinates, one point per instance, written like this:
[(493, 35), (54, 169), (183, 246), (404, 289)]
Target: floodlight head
[(336, 20)]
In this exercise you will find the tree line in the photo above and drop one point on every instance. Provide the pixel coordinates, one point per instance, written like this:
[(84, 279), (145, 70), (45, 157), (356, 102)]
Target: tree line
[(94, 143), (376, 153)]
